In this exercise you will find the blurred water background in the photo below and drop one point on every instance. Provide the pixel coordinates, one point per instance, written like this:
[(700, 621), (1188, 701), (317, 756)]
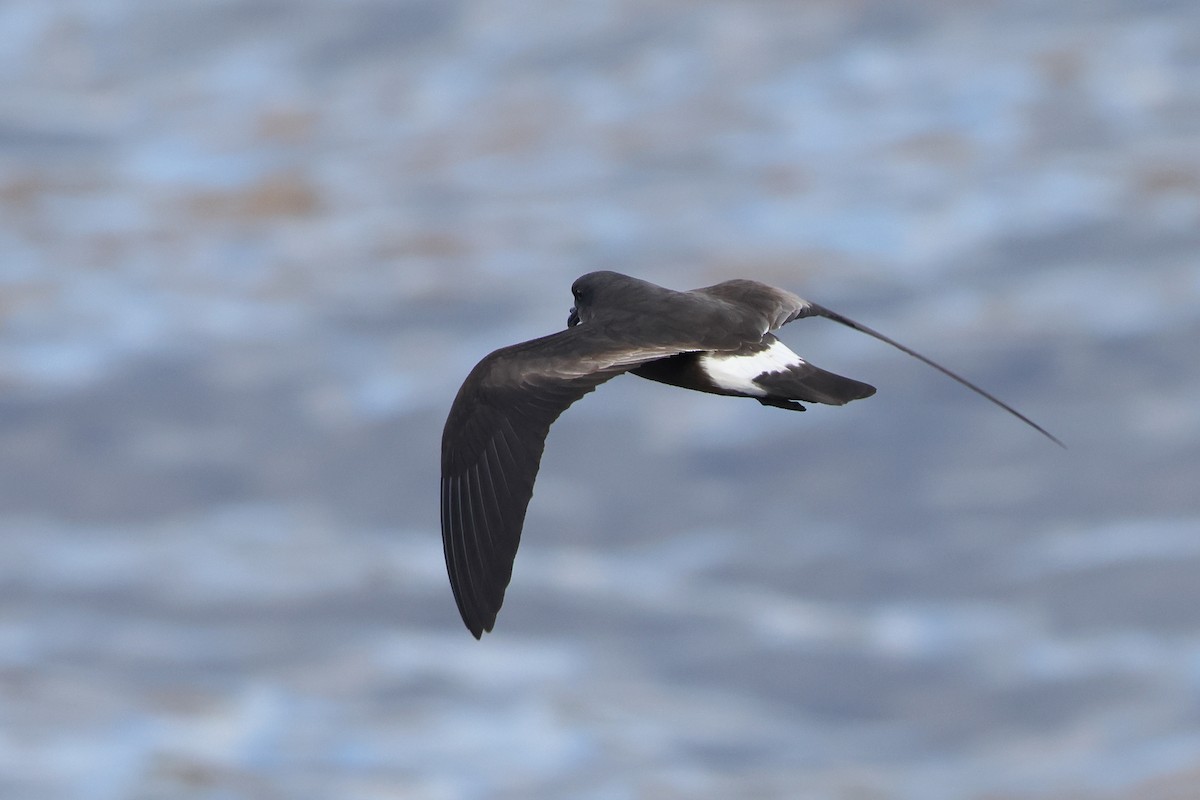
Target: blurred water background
[(249, 249)]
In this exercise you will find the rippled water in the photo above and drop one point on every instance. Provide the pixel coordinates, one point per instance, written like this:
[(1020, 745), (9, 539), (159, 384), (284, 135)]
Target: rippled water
[(250, 249)]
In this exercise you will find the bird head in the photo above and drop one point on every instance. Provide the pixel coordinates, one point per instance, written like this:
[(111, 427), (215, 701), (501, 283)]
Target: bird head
[(602, 291), (584, 292)]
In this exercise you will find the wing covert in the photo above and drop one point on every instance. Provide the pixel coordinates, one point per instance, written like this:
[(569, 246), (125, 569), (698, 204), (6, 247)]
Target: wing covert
[(771, 308)]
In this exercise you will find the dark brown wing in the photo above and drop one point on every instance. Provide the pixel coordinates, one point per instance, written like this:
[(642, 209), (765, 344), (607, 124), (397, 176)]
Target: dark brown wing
[(770, 308), (492, 447)]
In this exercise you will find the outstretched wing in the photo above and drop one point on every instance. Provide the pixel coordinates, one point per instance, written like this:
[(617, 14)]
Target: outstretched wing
[(492, 447), (772, 308)]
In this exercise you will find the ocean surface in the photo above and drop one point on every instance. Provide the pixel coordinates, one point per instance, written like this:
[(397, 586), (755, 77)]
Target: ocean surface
[(250, 248)]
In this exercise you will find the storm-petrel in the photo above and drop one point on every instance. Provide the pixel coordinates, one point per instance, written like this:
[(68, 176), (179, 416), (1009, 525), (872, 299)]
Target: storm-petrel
[(716, 339)]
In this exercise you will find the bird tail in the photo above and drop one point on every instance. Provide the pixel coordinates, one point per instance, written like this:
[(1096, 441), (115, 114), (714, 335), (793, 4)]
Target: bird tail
[(805, 382)]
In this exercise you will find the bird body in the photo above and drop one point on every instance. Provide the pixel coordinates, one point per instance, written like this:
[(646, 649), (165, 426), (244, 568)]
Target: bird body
[(716, 339)]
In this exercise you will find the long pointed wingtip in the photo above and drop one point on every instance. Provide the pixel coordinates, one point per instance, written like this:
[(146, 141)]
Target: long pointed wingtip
[(820, 311)]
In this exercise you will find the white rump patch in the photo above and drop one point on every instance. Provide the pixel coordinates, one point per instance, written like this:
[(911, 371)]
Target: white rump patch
[(737, 373)]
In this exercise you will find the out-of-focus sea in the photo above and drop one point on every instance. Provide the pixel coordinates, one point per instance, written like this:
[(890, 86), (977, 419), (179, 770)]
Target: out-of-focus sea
[(250, 248)]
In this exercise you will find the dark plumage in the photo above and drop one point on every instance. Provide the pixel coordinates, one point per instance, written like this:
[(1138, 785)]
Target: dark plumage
[(716, 339)]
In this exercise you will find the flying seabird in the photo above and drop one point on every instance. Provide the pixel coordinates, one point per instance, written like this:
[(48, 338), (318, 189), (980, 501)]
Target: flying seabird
[(716, 339)]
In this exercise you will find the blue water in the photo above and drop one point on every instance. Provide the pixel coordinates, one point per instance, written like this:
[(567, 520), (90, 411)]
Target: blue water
[(248, 251)]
